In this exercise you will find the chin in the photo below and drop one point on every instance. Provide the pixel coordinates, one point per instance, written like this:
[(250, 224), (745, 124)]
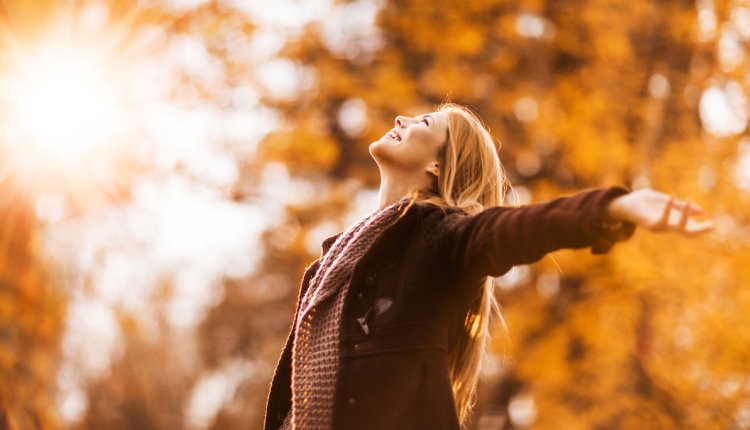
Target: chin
[(374, 146), (379, 151)]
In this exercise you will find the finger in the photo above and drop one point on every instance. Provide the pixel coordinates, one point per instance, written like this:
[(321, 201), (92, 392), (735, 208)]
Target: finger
[(697, 210), (698, 227), (664, 221), (685, 216)]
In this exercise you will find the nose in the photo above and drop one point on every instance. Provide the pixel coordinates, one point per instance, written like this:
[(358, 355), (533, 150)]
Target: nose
[(401, 121)]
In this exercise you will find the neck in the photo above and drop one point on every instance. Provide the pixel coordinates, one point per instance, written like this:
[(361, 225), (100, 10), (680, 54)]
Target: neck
[(397, 185)]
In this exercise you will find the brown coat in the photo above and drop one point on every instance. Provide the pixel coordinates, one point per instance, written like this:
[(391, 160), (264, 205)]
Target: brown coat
[(430, 264)]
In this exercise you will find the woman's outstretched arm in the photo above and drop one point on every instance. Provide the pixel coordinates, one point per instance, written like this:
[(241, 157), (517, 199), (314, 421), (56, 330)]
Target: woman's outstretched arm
[(498, 238)]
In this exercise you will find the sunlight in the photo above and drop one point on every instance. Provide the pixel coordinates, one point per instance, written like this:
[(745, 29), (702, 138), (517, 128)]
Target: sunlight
[(67, 117), (60, 103)]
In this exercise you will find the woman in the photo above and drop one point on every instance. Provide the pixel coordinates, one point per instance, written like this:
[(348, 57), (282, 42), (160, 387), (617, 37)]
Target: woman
[(392, 321)]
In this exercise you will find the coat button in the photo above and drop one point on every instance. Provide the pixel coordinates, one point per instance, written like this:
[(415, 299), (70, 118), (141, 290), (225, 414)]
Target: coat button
[(356, 347), (370, 279), (352, 401), (360, 295)]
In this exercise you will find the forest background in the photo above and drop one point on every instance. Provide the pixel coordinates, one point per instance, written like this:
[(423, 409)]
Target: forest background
[(168, 168)]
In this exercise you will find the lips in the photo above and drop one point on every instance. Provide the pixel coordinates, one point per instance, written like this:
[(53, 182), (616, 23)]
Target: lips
[(394, 135)]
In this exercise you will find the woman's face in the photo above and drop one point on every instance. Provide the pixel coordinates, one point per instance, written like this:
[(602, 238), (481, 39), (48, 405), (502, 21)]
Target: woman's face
[(413, 143)]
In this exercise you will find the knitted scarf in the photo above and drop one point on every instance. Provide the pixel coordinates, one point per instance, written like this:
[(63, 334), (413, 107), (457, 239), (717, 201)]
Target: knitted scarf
[(315, 350)]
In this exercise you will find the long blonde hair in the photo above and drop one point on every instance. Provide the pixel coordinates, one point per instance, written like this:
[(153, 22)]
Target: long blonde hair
[(470, 177)]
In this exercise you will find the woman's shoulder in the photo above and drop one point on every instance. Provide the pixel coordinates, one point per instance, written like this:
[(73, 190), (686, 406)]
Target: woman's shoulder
[(435, 217)]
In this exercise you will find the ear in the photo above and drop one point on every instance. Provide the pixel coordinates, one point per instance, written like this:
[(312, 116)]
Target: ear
[(433, 169)]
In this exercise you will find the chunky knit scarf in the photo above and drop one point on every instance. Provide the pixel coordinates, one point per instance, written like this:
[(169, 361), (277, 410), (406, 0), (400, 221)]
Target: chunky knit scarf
[(315, 351)]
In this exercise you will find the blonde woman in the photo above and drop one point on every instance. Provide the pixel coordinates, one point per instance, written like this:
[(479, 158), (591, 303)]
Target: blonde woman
[(391, 321)]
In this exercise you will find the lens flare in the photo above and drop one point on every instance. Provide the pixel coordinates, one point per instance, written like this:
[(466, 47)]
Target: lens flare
[(67, 122), (61, 104)]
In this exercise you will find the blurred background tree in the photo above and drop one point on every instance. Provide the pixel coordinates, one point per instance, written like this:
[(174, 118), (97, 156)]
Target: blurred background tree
[(183, 198), (32, 314)]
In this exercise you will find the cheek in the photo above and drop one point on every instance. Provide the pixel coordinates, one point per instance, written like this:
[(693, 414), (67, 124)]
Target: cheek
[(418, 135), (426, 140), (416, 152)]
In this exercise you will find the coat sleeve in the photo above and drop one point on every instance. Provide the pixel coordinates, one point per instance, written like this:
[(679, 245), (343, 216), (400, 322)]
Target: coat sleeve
[(494, 240)]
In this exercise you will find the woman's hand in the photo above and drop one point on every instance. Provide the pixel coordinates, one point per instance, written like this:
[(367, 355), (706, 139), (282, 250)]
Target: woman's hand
[(654, 210)]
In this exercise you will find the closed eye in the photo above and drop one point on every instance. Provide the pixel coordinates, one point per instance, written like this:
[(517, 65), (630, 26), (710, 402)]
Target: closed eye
[(427, 123)]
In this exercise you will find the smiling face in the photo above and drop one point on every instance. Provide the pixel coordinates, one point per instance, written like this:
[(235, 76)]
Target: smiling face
[(413, 143)]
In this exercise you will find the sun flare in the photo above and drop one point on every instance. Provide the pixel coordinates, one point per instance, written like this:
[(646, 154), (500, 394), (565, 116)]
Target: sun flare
[(60, 104), (66, 116)]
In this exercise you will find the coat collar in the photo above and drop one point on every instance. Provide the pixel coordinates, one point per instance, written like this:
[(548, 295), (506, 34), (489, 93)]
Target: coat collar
[(328, 242), (417, 209)]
